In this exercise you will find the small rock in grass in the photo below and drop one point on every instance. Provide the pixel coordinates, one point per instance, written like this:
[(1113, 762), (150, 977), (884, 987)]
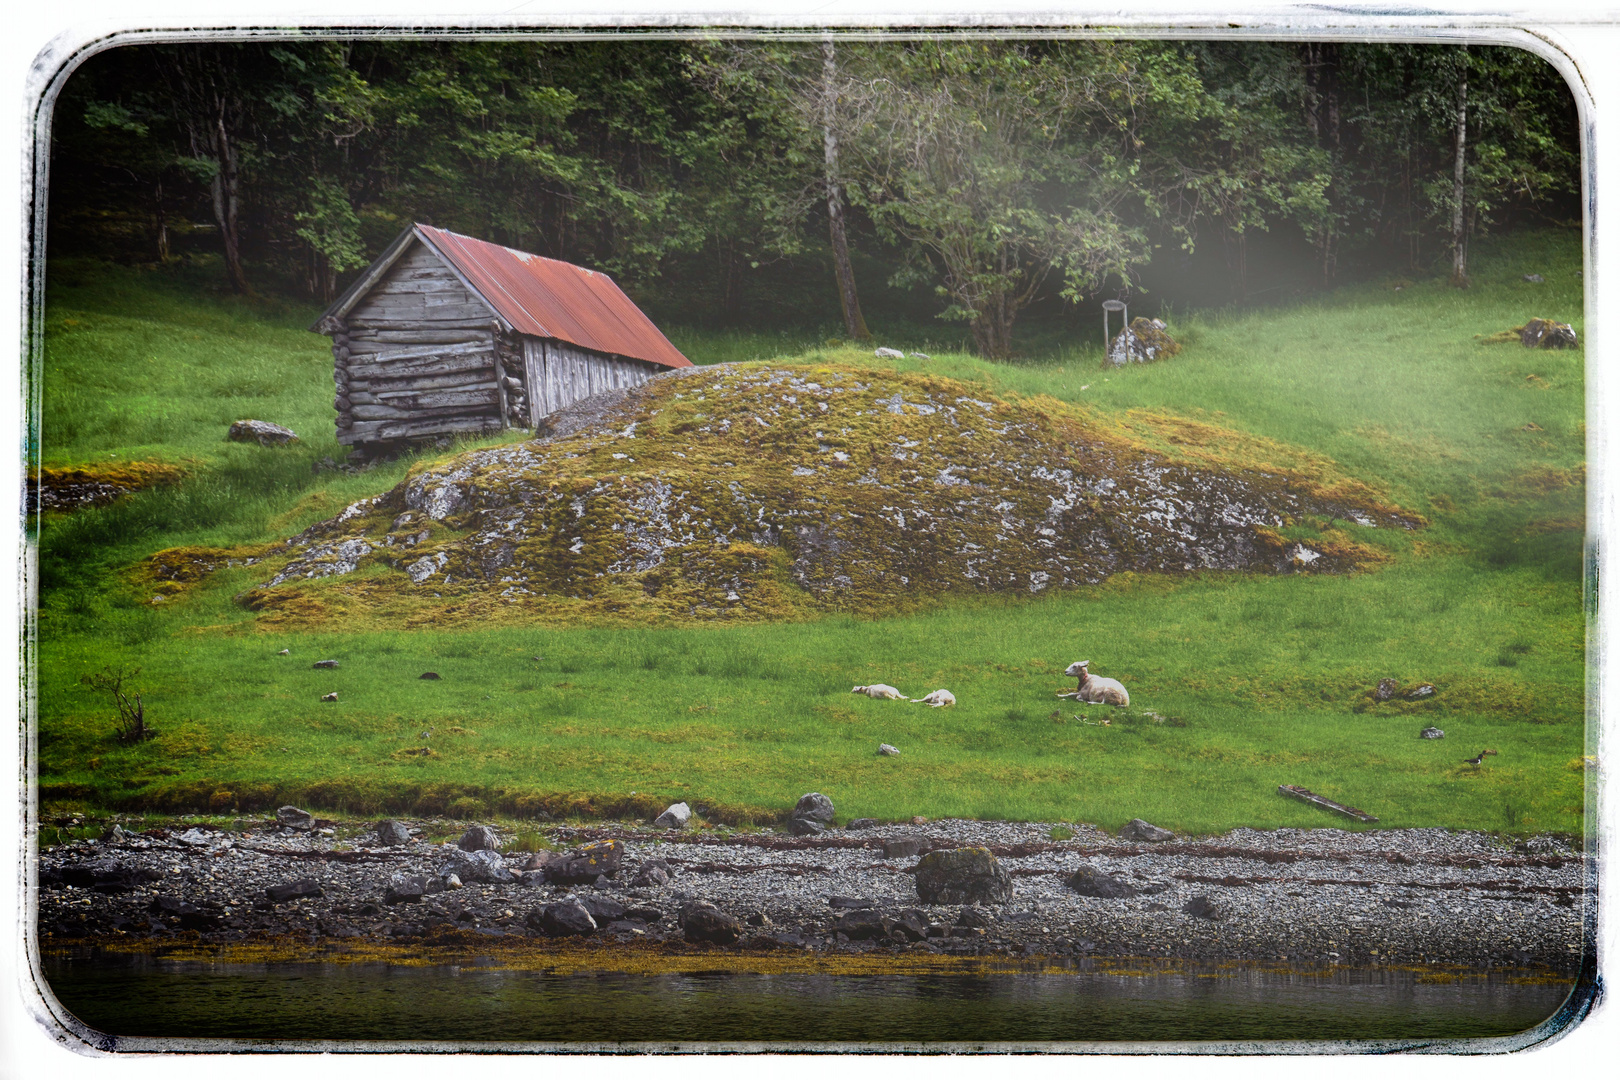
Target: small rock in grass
[(479, 838), (1137, 829), (428, 675), (392, 833), (262, 432), (325, 664), (1534, 279), (674, 817), (284, 652), (921, 356), (702, 921), (1418, 693), (919, 820), (293, 890), (1432, 733), (1385, 689), (889, 354), (885, 750), (294, 818), (1201, 907), (329, 697)]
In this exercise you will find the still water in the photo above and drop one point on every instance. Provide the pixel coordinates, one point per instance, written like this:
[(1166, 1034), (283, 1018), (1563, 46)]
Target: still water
[(149, 997)]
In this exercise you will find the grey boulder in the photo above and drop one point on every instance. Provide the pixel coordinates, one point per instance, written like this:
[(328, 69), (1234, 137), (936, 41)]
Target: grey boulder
[(293, 818), (1137, 829), (479, 838), (392, 833), (963, 876), (675, 817), (811, 814), (477, 867)]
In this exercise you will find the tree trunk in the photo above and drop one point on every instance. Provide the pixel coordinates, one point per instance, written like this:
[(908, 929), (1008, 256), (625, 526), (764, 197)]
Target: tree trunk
[(854, 321), (227, 184), (1459, 234)]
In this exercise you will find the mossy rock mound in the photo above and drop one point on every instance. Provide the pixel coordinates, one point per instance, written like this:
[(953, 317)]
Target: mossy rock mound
[(759, 491)]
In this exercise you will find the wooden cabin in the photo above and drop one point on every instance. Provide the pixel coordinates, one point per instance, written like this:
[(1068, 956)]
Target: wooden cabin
[(445, 334)]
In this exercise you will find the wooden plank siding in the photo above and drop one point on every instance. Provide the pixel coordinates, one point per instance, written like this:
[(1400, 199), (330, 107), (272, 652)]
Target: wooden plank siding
[(559, 374), (421, 356)]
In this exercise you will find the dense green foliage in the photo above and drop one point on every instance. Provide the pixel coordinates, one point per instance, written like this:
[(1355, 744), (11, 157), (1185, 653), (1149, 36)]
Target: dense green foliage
[(984, 178), (1255, 680)]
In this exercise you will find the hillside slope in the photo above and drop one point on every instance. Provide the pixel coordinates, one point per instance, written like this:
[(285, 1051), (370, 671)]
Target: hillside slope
[(757, 490)]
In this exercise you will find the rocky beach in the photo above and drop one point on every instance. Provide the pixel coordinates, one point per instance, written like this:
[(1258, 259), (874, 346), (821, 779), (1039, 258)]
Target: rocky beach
[(1026, 891)]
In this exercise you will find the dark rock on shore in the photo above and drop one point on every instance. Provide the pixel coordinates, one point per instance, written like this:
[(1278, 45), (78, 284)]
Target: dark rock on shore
[(565, 918), (1201, 907), (293, 890), (1088, 881), (586, 864), (963, 876), (863, 823), (483, 867), (702, 921), (391, 833)]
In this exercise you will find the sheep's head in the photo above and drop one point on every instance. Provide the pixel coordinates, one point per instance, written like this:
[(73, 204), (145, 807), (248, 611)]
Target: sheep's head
[(1077, 669), (859, 690)]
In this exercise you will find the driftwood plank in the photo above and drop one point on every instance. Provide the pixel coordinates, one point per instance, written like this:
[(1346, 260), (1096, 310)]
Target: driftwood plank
[(1295, 792)]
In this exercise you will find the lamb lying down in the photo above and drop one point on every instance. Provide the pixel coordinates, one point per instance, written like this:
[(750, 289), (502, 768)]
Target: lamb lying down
[(879, 690), (1092, 688), (938, 699)]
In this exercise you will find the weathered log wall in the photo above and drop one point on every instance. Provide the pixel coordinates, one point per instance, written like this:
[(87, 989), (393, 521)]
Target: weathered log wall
[(416, 357), (559, 373)]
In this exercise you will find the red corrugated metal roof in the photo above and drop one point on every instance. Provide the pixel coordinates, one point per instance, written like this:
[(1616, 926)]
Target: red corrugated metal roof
[(547, 298)]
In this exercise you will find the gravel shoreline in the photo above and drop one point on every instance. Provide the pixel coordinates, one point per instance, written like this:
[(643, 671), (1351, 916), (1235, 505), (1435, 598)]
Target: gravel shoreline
[(1316, 896)]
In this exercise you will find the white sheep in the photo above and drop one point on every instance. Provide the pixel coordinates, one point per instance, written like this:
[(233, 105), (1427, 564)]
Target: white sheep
[(879, 690), (938, 699), (1096, 690)]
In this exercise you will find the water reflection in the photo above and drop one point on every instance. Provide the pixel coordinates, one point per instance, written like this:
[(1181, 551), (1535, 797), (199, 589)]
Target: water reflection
[(151, 997)]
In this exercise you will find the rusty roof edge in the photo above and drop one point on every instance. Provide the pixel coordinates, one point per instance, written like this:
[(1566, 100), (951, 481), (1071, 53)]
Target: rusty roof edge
[(362, 284), (449, 260)]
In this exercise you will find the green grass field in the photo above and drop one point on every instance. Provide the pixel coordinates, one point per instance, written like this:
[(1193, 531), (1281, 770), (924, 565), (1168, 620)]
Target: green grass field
[(1239, 682)]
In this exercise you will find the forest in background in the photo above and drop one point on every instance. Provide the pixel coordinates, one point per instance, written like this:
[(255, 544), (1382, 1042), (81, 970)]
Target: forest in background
[(977, 186)]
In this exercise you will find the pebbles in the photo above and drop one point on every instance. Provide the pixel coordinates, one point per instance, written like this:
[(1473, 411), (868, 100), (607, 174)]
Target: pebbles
[(1311, 896)]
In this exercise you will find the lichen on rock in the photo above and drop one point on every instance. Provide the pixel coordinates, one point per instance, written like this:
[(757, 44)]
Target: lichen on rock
[(766, 491)]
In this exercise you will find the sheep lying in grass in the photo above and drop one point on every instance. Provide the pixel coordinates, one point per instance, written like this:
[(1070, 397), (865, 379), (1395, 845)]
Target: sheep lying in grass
[(938, 699), (879, 690), (1094, 689)]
